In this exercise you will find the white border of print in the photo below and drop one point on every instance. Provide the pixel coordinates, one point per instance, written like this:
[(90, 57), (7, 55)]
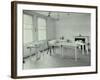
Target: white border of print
[(21, 72)]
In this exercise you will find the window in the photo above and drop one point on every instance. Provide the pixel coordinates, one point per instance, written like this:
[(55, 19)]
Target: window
[(28, 24), (41, 29)]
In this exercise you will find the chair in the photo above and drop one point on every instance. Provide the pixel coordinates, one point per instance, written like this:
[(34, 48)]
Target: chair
[(28, 51), (43, 47), (87, 48), (51, 47)]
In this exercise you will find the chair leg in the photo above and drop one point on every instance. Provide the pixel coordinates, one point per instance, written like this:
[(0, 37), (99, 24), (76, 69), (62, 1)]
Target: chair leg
[(87, 50), (50, 52), (23, 61), (47, 50), (53, 49)]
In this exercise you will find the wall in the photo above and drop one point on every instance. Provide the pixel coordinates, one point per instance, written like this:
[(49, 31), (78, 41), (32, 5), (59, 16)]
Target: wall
[(51, 29), (5, 41), (73, 24)]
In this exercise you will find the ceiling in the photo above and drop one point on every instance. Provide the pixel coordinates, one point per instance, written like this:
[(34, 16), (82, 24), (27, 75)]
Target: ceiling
[(57, 15)]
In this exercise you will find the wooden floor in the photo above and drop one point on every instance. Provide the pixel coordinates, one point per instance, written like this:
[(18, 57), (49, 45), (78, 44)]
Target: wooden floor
[(56, 60)]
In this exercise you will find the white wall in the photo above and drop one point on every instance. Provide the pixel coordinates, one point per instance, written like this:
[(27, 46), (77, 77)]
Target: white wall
[(51, 26), (73, 24), (5, 41)]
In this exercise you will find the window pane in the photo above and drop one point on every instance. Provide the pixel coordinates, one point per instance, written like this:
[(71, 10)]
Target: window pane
[(41, 22), (27, 26), (27, 36), (27, 19), (41, 29), (41, 34)]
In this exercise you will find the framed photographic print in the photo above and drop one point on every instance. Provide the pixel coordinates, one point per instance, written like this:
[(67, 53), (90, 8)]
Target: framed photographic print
[(50, 39)]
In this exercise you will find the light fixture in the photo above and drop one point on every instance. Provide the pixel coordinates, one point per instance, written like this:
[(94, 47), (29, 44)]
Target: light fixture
[(49, 14), (53, 15)]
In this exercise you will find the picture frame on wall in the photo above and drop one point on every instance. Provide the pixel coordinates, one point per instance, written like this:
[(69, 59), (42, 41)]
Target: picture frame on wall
[(51, 39)]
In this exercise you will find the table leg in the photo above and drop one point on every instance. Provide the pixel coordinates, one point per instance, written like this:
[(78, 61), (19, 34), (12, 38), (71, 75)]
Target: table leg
[(75, 53), (83, 49), (37, 54), (87, 50), (30, 50), (61, 50)]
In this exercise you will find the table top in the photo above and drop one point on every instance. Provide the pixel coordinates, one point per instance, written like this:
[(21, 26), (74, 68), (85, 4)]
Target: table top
[(65, 44), (57, 43)]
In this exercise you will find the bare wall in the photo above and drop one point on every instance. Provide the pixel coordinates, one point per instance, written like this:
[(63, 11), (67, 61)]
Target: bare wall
[(73, 24)]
